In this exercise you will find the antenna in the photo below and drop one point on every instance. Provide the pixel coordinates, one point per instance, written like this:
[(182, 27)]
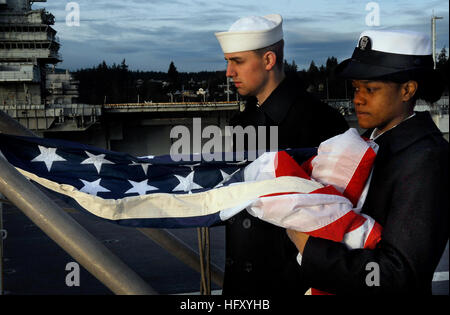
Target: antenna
[(433, 35)]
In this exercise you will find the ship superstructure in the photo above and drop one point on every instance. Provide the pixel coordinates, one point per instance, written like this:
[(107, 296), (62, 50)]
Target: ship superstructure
[(32, 90), (28, 44)]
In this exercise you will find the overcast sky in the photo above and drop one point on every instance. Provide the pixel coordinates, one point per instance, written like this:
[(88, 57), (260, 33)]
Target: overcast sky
[(150, 34)]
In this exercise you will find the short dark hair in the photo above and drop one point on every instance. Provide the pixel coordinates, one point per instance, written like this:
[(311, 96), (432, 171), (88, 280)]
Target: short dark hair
[(277, 48)]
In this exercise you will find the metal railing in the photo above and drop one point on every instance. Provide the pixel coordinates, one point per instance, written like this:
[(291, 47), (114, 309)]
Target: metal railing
[(346, 107), (18, 76), (156, 104)]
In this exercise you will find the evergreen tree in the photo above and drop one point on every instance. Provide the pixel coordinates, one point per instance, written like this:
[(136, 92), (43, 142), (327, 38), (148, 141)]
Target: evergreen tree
[(123, 66), (172, 73), (442, 66), (331, 65), (313, 68), (441, 59), (290, 68)]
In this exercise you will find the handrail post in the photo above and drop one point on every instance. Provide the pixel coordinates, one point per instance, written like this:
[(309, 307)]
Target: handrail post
[(182, 251)]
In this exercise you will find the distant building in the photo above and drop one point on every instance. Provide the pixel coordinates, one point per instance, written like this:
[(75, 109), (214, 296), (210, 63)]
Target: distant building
[(62, 88), (28, 44), (32, 90)]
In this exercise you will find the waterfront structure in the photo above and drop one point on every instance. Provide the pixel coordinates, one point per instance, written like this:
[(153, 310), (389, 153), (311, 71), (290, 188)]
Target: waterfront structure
[(28, 43), (62, 87), (31, 90)]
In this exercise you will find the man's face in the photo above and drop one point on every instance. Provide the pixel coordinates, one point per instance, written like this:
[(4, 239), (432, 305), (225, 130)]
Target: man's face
[(247, 71), (379, 104)]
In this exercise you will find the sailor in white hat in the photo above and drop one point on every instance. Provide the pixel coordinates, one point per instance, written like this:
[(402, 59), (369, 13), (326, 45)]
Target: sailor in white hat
[(253, 48), (260, 259), (408, 189)]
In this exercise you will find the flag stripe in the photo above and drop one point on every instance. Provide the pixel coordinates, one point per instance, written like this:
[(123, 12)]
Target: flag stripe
[(357, 182), (301, 212), (163, 205), (374, 236), (285, 165), (336, 230)]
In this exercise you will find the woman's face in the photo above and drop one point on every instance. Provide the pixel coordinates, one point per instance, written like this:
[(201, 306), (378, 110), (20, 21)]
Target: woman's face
[(380, 104)]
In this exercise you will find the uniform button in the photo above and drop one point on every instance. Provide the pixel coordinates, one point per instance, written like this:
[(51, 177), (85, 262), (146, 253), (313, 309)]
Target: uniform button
[(248, 267), (228, 261), (231, 220), (246, 223)]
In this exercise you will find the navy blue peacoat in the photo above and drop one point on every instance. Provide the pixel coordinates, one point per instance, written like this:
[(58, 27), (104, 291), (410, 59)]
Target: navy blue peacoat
[(408, 196)]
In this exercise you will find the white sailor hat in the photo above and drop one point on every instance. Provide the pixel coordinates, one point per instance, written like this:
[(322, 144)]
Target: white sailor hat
[(252, 32), (388, 54)]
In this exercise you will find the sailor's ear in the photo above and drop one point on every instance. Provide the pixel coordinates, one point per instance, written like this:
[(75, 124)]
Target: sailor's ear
[(270, 60)]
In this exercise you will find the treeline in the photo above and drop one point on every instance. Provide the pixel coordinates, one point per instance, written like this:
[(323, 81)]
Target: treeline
[(117, 84), (323, 82)]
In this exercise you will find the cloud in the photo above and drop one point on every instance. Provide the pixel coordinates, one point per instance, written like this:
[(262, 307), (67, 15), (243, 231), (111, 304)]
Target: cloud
[(151, 33)]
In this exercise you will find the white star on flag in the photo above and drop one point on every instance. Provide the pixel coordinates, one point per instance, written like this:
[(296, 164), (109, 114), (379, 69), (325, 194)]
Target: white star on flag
[(97, 160), (237, 163), (225, 177), (191, 166), (93, 188), (48, 156), (140, 187), (144, 166), (186, 183)]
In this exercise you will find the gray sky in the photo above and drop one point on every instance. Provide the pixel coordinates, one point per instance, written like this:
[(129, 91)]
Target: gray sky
[(150, 34)]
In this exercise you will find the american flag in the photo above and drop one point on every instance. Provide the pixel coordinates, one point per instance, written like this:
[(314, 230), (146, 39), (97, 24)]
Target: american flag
[(318, 191)]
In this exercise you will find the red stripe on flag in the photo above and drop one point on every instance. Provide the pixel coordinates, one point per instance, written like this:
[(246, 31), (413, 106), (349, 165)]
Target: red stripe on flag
[(374, 236), (327, 190), (285, 165), (336, 230), (318, 292), (357, 182), (307, 165), (280, 194)]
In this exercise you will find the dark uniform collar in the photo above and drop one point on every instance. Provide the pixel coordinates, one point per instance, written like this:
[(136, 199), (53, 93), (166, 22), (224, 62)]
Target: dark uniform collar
[(407, 132), (277, 105)]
